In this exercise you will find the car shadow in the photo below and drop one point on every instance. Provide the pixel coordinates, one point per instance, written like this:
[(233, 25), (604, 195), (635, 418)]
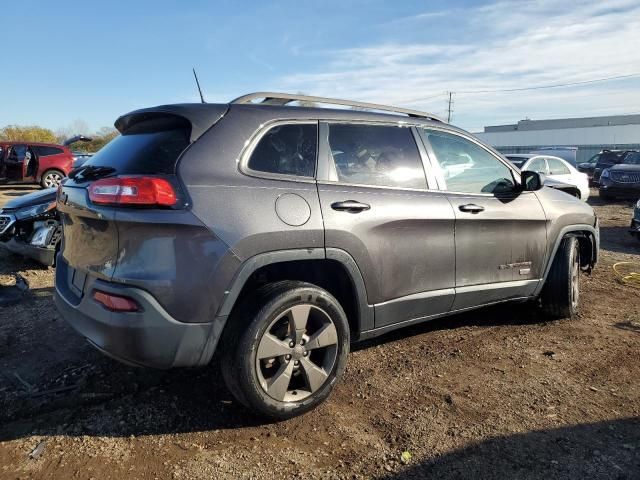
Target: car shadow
[(617, 239), (607, 449), (25, 188), (496, 315), (86, 393)]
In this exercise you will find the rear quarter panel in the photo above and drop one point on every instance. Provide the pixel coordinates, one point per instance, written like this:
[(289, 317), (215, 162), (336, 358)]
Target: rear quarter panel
[(241, 209)]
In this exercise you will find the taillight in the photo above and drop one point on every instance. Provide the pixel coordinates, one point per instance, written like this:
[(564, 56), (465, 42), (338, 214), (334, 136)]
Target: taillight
[(115, 303), (133, 191)]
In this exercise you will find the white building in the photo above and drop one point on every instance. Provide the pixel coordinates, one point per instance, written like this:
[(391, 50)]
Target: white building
[(590, 135)]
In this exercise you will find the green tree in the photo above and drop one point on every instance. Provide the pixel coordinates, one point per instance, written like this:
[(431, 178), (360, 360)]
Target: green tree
[(99, 140), (29, 133)]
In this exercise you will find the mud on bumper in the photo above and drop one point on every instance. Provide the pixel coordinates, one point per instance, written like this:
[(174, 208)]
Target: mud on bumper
[(149, 337)]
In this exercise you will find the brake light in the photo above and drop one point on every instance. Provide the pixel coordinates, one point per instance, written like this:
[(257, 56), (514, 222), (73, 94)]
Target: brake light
[(133, 191), (115, 303)]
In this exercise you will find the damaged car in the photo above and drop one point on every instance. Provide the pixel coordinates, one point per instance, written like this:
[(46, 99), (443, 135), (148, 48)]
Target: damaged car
[(30, 226)]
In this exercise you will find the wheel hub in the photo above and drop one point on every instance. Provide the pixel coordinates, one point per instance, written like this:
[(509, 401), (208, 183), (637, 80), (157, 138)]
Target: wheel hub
[(297, 353)]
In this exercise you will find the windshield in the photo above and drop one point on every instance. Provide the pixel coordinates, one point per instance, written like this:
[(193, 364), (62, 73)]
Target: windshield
[(632, 159)]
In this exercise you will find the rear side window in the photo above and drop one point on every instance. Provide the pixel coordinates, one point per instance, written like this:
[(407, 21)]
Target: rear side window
[(376, 155), (556, 167), (143, 153), (287, 150), (43, 151)]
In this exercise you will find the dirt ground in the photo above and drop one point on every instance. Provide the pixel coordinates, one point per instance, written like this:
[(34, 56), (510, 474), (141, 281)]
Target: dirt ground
[(495, 393)]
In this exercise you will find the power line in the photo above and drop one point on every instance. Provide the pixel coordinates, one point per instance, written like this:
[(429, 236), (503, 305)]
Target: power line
[(540, 87)]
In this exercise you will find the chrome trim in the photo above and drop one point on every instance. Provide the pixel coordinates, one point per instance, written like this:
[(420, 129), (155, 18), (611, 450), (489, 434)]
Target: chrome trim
[(252, 143), (273, 98)]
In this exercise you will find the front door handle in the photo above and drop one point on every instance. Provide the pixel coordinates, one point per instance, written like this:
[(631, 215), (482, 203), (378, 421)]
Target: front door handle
[(350, 206), (471, 208)]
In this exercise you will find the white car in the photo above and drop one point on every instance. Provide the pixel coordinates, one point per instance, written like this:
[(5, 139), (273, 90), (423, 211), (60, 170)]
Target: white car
[(554, 168)]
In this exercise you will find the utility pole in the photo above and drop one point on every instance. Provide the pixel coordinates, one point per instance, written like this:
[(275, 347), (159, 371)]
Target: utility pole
[(449, 110)]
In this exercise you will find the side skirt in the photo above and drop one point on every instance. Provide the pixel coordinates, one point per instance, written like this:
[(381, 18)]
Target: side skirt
[(376, 332)]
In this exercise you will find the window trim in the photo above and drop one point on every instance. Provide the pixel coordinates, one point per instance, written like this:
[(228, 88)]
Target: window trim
[(504, 161), (326, 165), (254, 140)]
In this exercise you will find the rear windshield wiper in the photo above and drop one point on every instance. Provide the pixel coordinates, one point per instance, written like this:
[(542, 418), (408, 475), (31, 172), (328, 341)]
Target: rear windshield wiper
[(90, 172)]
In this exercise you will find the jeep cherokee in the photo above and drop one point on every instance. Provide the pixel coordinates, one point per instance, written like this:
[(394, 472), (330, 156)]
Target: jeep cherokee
[(276, 234)]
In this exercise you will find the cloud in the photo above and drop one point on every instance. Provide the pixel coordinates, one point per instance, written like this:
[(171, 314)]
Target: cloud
[(507, 44)]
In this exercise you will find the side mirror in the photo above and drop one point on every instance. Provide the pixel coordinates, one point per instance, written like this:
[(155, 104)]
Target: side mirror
[(531, 181)]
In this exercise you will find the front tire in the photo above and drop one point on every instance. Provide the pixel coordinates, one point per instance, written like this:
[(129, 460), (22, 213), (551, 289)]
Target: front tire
[(561, 293), (51, 178), (285, 349)]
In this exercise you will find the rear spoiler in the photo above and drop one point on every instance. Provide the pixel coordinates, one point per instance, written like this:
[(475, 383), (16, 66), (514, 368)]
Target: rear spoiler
[(198, 117)]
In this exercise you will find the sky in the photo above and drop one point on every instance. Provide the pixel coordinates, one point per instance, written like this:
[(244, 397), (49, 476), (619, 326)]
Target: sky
[(93, 61)]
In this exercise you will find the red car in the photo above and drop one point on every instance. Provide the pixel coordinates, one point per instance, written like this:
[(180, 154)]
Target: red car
[(32, 162)]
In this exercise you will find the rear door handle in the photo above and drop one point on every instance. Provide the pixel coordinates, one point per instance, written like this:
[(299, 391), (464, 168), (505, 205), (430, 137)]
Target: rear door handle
[(471, 208), (350, 206)]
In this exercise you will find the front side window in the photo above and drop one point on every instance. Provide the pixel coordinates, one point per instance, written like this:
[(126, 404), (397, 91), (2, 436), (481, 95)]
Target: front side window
[(287, 150), (18, 153), (537, 165), (377, 155), (556, 167), (466, 167)]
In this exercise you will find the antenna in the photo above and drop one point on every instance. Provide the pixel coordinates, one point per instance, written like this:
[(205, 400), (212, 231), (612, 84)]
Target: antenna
[(198, 84)]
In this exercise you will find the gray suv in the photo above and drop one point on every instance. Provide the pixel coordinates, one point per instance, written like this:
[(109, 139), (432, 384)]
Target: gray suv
[(275, 235)]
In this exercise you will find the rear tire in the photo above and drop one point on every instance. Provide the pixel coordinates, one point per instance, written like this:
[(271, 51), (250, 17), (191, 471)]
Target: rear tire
[(285, 349), (51, 178), (561, 292)]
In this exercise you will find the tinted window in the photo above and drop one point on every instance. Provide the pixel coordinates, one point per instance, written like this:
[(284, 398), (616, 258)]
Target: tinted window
[(466, 167), (537, 165), (376, 155), (46, 151), (556, 167), (609, 158), (632, 159), (155, 152), (287, 150), (17, 153)]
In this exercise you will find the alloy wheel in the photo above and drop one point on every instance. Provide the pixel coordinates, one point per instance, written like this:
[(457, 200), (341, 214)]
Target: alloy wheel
[(297, 353), (575, 280), (52, 179)]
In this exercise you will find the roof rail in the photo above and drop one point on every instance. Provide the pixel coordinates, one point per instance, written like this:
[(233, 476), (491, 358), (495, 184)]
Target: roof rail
[(273, 98)]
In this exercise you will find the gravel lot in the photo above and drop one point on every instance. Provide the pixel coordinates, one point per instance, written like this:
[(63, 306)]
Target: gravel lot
[(495, 393)]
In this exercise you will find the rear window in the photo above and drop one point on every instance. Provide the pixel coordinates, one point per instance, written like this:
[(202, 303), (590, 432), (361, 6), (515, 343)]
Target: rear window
[(143, 153), (43, 151)]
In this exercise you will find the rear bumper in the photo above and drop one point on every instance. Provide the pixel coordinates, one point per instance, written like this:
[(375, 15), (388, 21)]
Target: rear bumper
[(150, 337), (46, 256)]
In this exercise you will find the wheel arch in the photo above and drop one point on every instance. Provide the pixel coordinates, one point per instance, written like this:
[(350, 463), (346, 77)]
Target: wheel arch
[(332, 269), (589, 241)]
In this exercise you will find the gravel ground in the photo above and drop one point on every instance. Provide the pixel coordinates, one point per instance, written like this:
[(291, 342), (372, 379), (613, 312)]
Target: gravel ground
[(495, 393)]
